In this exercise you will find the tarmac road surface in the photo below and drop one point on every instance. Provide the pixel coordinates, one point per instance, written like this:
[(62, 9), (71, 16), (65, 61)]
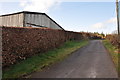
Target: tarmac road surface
[(91, 61)]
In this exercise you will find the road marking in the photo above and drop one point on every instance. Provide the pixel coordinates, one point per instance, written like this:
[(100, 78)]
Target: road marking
[(66, 75), (93, 73)]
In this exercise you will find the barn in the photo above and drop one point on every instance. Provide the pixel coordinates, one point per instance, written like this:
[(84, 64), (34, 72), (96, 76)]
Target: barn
[(28, 19)]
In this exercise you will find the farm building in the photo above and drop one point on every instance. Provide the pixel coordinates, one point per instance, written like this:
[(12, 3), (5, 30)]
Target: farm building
[(28, 19)]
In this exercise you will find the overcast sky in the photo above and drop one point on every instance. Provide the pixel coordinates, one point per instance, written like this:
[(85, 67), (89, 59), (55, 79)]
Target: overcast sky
[(73, 15)]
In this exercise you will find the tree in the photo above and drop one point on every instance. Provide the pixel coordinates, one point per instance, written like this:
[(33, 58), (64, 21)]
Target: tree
[(102, 34)]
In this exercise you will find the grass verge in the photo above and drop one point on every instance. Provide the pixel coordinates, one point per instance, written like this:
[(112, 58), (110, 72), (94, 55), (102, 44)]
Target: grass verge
[(113, 52), (39, 61)]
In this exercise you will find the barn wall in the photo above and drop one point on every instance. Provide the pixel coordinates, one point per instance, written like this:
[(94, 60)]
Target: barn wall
[(39, 19), (1, 21), (14, 20), (27, 20)]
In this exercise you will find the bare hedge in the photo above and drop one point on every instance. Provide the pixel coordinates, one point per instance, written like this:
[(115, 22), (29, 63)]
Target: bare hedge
[(20, 43), (114, 39)]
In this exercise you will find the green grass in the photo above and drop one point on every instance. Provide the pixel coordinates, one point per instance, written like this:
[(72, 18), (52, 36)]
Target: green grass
[(113, 52), (39, 61)]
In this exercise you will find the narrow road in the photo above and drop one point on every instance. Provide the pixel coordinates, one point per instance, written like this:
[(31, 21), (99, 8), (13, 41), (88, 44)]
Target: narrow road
[(91, 61)]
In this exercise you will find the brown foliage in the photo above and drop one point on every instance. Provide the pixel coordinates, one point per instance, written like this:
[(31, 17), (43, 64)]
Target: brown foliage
[(114, 39), (20, 43)]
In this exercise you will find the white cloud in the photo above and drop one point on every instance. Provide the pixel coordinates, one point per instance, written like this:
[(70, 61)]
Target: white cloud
[(38, 5), (23, 3), (104, 24), (67, 0), (98, 25), (1, 10), (88, 0), (112, 20)]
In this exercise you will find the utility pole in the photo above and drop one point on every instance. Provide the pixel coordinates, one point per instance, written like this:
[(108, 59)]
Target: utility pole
[(117, 11)]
